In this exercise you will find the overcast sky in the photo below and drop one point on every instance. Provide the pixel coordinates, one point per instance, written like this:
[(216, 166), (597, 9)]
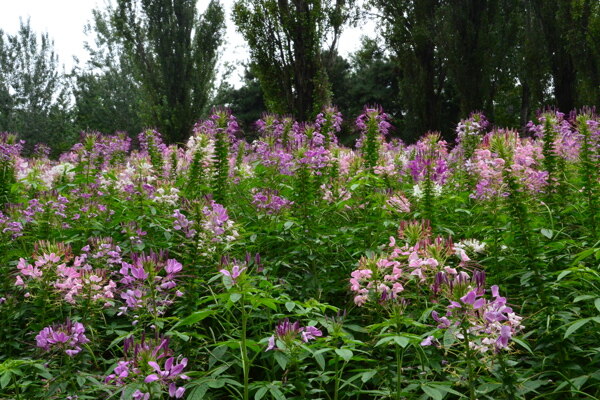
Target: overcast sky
[(64, 21)]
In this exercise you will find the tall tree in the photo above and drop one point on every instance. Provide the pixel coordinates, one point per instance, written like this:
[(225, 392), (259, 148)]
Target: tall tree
[(530, 61), (286, 38), (584, 45), (367, 78), (245, 102), (174, 53), (34, 100), (411, 31), (556, 19), (107, 95)]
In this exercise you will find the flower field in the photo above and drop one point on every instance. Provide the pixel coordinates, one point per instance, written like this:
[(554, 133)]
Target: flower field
[(292, 267)]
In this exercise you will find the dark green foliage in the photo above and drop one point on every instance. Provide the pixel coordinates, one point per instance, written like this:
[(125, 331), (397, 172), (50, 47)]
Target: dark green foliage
[(245, 102), (411, 32), (221, 161), (107, 96), (285, 40), (174, 54), (33, 92), (367, 77), (589, 170), (571, 34)]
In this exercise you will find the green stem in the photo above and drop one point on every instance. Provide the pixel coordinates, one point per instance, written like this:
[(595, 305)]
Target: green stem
[(399, 359), (470, 371), (336, 387), (244, 348)]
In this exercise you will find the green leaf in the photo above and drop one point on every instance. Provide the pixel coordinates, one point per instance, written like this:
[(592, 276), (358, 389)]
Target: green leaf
[(198, 392), (288, 225), (5, 379), (523, 344), (290, 305), (235, 297), (276, 393), (281, 359), (195, 317), (384, 341), (432, 392), (401, 341), (597, 303), (266, 302), (260, 393), (449, 337), (582, 297), (320, 360), (367, 375), (563, 274), (576, 325), (584, 254), (547, 233), (346, 354)]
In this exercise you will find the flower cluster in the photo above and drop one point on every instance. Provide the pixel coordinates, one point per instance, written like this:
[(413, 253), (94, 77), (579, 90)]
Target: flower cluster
[(73, 278), (149, 282), (417, 257), (269, 201), (216, 228), (183, 224), (67, 337), (488, 324), (398, 203), (151, 362), (286, 334)]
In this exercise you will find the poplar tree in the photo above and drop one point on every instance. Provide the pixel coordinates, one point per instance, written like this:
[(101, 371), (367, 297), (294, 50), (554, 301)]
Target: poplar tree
[(286, 40), (174, 53)]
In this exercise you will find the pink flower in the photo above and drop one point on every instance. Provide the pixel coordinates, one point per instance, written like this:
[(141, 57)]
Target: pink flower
[(310, 333), (235, 273), (428, 341)]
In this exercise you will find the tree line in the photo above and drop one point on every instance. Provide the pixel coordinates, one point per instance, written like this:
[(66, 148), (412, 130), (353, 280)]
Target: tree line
[(153, 63)]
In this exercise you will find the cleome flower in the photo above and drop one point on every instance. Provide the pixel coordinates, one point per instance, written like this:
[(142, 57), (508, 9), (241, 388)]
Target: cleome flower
[(152, 362), (67, 337), (286, 334)]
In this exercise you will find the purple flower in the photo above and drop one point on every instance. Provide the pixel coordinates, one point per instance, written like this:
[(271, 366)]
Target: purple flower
[(310, 333), (235, 273), (428, 341), (67, 337), (150, 353), (269, 201), (288, 333), (272, 345)]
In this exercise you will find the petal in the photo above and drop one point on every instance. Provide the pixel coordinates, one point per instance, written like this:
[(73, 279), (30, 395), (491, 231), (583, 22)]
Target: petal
[(151, 378), (169, 363), (155, 366)]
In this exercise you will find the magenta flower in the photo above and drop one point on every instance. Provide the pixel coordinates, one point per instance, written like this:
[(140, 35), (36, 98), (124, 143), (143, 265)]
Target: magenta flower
[(150, 353), (310, 333), (235, 273), (66, 337), (428, 341), (288, 332), (490, 323)]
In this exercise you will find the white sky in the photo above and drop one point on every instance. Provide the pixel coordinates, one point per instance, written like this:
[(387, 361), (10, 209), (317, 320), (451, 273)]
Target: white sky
[(64, 21)]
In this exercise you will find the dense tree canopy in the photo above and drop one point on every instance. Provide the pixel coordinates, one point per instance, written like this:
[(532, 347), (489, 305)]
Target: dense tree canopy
[(107, 95), (286, 40), (33, 91), (174, 54), (430, 63)]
